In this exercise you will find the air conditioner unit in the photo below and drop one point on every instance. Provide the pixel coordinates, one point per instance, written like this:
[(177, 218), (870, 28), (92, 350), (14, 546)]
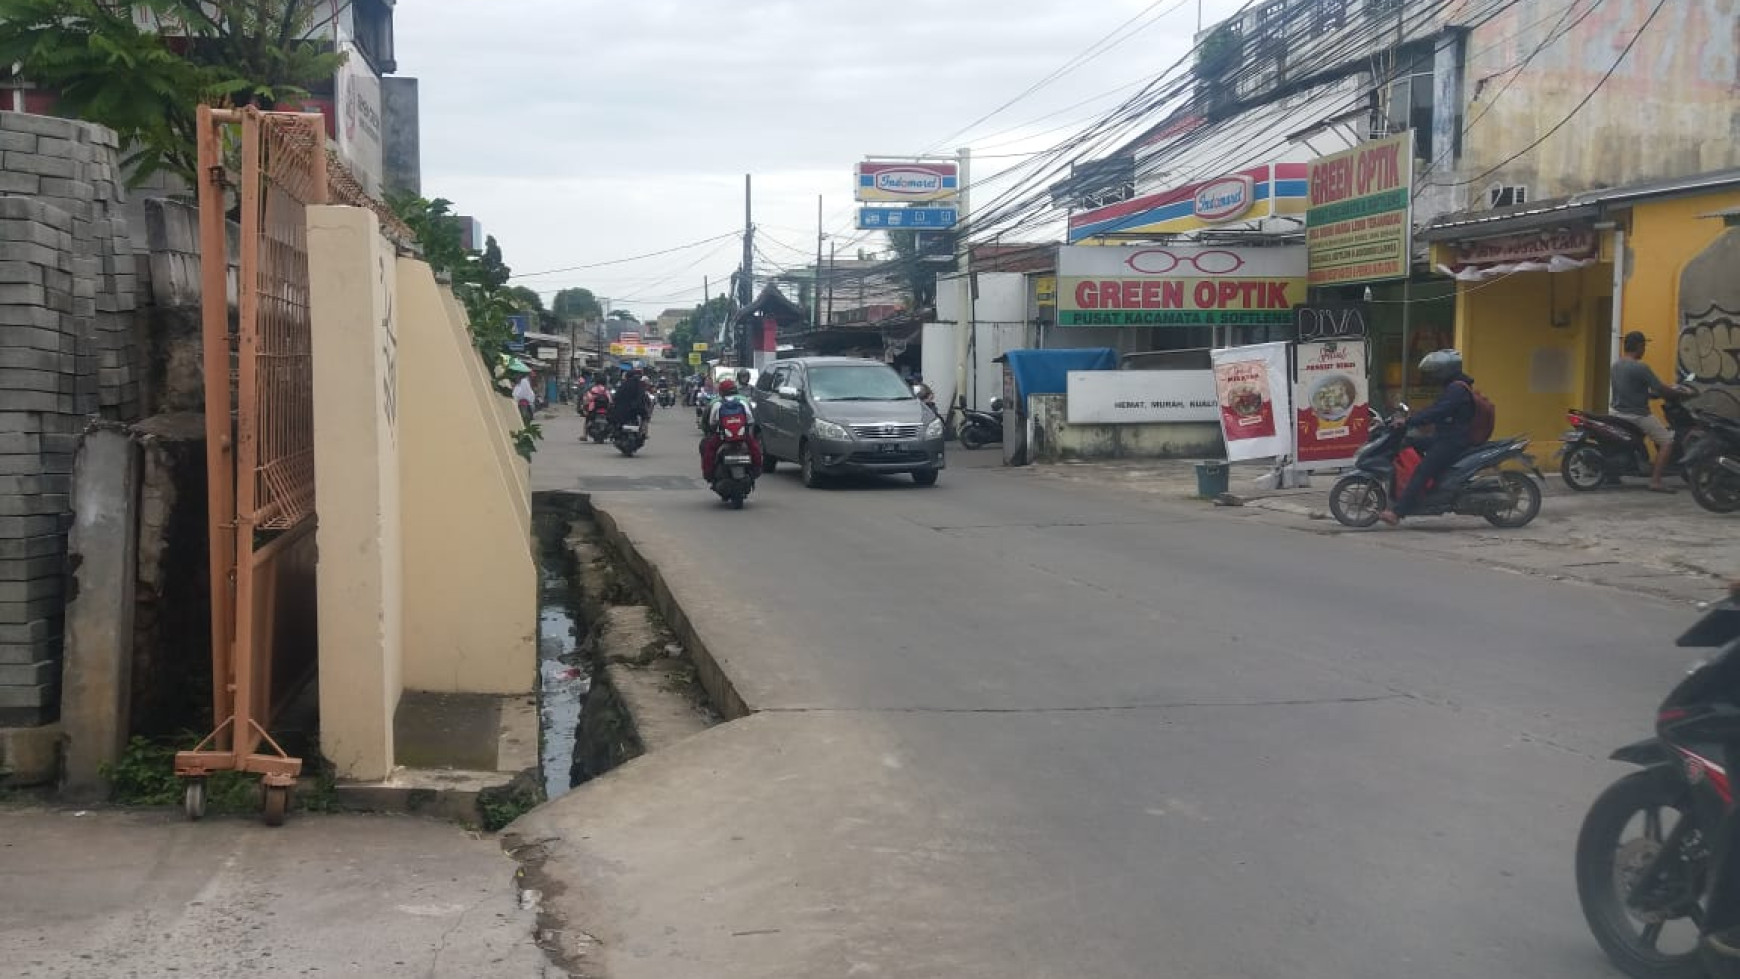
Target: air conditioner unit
[(1506, 195)]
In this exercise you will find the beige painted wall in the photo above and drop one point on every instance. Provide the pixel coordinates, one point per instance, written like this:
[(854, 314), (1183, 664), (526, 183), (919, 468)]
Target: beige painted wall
[(507, 419), (352, 278), (470, 581), (1667, 110)]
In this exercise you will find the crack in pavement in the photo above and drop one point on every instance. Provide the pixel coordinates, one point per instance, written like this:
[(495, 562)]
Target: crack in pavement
[(1094, 708)]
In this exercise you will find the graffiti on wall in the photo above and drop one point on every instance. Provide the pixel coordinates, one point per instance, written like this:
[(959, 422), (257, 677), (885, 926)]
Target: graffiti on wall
[(1709, 347)]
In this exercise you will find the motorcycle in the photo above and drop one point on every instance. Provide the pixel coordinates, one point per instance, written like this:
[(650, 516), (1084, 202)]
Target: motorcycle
[(703, 404), (1600, 449), (1476, 485), (1713, 464), (981, 428), (598, 423), (630, 436), (1656, 850), (734, 468), (667, 398)]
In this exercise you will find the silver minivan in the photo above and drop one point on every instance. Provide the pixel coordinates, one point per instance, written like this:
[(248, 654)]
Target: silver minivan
[(836, 415)]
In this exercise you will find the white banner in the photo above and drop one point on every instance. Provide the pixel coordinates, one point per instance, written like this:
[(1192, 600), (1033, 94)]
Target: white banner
[(1253, 390), (1130, 397)]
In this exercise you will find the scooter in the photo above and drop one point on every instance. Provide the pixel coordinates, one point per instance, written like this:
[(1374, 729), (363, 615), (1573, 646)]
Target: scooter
[(1656, 856), (667, 397), (598, 423), (629, 436), (703, 404), (734, 468), (1477, 485), (1600, 449), (1713, 464), (981, 428)]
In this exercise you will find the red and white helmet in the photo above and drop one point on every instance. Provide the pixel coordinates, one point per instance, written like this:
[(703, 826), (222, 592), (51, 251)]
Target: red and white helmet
[(727, 387)]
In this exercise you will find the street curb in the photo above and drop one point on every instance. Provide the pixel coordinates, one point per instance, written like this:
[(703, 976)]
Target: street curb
[(722, 692)]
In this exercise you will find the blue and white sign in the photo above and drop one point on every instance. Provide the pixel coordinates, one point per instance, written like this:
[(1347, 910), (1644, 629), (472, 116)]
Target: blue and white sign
[(922, 218), (520, 323)]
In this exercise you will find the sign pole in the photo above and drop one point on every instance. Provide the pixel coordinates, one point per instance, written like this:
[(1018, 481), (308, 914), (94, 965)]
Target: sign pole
[(816, 280), (963, 279)]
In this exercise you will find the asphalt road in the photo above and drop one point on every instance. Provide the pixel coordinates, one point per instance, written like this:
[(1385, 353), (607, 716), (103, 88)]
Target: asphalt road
[(1008, 726)]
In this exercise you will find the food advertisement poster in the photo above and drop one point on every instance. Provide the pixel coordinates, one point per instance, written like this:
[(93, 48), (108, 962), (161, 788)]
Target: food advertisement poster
[(1333, 416), (1252, 387)]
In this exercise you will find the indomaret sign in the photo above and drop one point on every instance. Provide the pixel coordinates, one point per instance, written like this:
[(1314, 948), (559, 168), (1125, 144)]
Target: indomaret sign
[(1359, 225), (1179, 285)]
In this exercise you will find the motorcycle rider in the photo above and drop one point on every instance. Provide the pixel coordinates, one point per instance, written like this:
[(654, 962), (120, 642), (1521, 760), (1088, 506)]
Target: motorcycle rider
[(597, 397), (631, 402), (728, 392), (1634, 384), (1449, 417)]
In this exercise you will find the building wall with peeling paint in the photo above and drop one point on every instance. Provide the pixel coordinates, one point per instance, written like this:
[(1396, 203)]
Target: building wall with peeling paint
[(1668, 110)]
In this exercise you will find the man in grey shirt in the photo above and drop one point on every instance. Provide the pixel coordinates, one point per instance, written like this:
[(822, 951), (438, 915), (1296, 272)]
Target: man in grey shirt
[(1634, 384)]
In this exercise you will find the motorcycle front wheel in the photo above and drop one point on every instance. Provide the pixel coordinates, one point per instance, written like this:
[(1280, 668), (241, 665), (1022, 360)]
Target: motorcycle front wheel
[(1714, 487), (972, 438), (1356, 500), (1584, 468), (1524, 505), (1623, 833)]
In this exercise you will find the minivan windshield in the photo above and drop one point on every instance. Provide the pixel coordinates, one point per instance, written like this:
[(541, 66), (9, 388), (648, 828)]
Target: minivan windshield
[(857, 382)]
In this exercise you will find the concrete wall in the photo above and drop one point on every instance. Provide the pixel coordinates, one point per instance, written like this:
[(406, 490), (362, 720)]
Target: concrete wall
[(67, 294), (1056, 440), (1682, 287), (1668, 109), (353, 279), (470, 600)]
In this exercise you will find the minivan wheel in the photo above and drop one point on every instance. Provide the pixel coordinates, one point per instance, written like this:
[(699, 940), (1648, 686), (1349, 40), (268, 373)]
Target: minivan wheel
[(807, 467), (925, 477)]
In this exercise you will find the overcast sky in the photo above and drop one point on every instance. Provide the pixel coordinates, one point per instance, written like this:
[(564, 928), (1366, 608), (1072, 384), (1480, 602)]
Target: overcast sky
[(581, 131)]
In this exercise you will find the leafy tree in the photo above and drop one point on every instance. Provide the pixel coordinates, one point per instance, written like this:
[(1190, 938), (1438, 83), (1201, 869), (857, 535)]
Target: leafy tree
[(147, 84), (917, 276), (526, 299), (624, 315), (577, 304)]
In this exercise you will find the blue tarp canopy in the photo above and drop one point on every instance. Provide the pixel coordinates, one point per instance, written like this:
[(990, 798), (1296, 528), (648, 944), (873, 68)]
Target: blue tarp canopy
[(1047, 371)]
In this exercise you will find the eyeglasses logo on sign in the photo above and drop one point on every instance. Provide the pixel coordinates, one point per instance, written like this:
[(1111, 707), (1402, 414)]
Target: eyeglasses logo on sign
[(1159, 261)]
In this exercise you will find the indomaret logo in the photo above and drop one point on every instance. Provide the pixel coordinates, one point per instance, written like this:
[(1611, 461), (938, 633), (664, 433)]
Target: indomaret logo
[(909, 181)]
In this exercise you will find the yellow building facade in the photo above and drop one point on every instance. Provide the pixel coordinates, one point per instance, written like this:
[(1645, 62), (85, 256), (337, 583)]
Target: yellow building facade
[(1546, 291)]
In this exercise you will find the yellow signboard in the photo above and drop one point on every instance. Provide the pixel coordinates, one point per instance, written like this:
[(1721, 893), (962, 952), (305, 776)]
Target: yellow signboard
[(616, 349), (698, 346), (695, 359), (1360, 221)]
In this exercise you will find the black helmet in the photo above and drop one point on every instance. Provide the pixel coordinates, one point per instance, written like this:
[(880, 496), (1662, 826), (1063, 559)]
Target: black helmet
[(1441, 365)]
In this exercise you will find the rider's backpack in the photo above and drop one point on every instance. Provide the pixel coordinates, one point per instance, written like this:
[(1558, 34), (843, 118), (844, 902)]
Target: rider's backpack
[(1485, 416), (731, 407)]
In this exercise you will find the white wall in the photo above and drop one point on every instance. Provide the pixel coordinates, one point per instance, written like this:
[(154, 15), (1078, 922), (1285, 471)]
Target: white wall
[(1000, 322)]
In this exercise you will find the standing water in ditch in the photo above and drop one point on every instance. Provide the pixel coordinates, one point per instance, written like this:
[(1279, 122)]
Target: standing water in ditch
[(563, 680)]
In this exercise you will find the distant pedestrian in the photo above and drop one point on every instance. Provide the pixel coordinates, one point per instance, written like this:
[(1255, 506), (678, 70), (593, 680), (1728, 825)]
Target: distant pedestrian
[(524, 397)]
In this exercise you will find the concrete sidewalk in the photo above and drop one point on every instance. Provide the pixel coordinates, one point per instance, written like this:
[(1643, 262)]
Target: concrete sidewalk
[(1623, 537), (91, 894)]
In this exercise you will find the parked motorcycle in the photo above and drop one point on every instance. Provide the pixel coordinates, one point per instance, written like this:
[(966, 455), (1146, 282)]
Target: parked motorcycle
[(1713, 464), (734, 469), (1656, 857), (629, 436), (1479, 484), (981, 428), (1600, 449)]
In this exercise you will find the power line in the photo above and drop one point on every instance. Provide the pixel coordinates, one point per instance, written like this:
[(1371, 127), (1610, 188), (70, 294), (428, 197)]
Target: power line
[(631, 258)]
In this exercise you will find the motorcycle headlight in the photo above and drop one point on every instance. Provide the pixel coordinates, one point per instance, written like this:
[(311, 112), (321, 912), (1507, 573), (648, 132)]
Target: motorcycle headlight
[(828, 430), (934, 430)]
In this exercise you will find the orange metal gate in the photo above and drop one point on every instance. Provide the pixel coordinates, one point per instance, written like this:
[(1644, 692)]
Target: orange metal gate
[(260, 451)]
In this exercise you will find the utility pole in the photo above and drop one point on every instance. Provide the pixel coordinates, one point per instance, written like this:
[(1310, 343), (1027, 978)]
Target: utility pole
[(833, 249), (746, 280), (816, 282), (963, 281)]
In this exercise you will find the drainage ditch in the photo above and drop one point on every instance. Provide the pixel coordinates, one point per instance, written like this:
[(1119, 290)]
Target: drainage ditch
[(613, 681)]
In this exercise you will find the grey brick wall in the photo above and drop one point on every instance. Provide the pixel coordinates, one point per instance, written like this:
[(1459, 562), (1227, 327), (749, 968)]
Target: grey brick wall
[(68, 291)]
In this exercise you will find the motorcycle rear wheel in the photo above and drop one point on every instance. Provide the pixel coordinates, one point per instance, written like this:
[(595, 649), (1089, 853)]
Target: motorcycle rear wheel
[(1525, 502), (1632, 944), (1714, 487), (972, 438), (1357, 499), (1584, 468)]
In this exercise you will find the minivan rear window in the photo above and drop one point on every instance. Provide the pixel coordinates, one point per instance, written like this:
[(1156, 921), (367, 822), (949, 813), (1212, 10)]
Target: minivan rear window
[(858, 382)]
